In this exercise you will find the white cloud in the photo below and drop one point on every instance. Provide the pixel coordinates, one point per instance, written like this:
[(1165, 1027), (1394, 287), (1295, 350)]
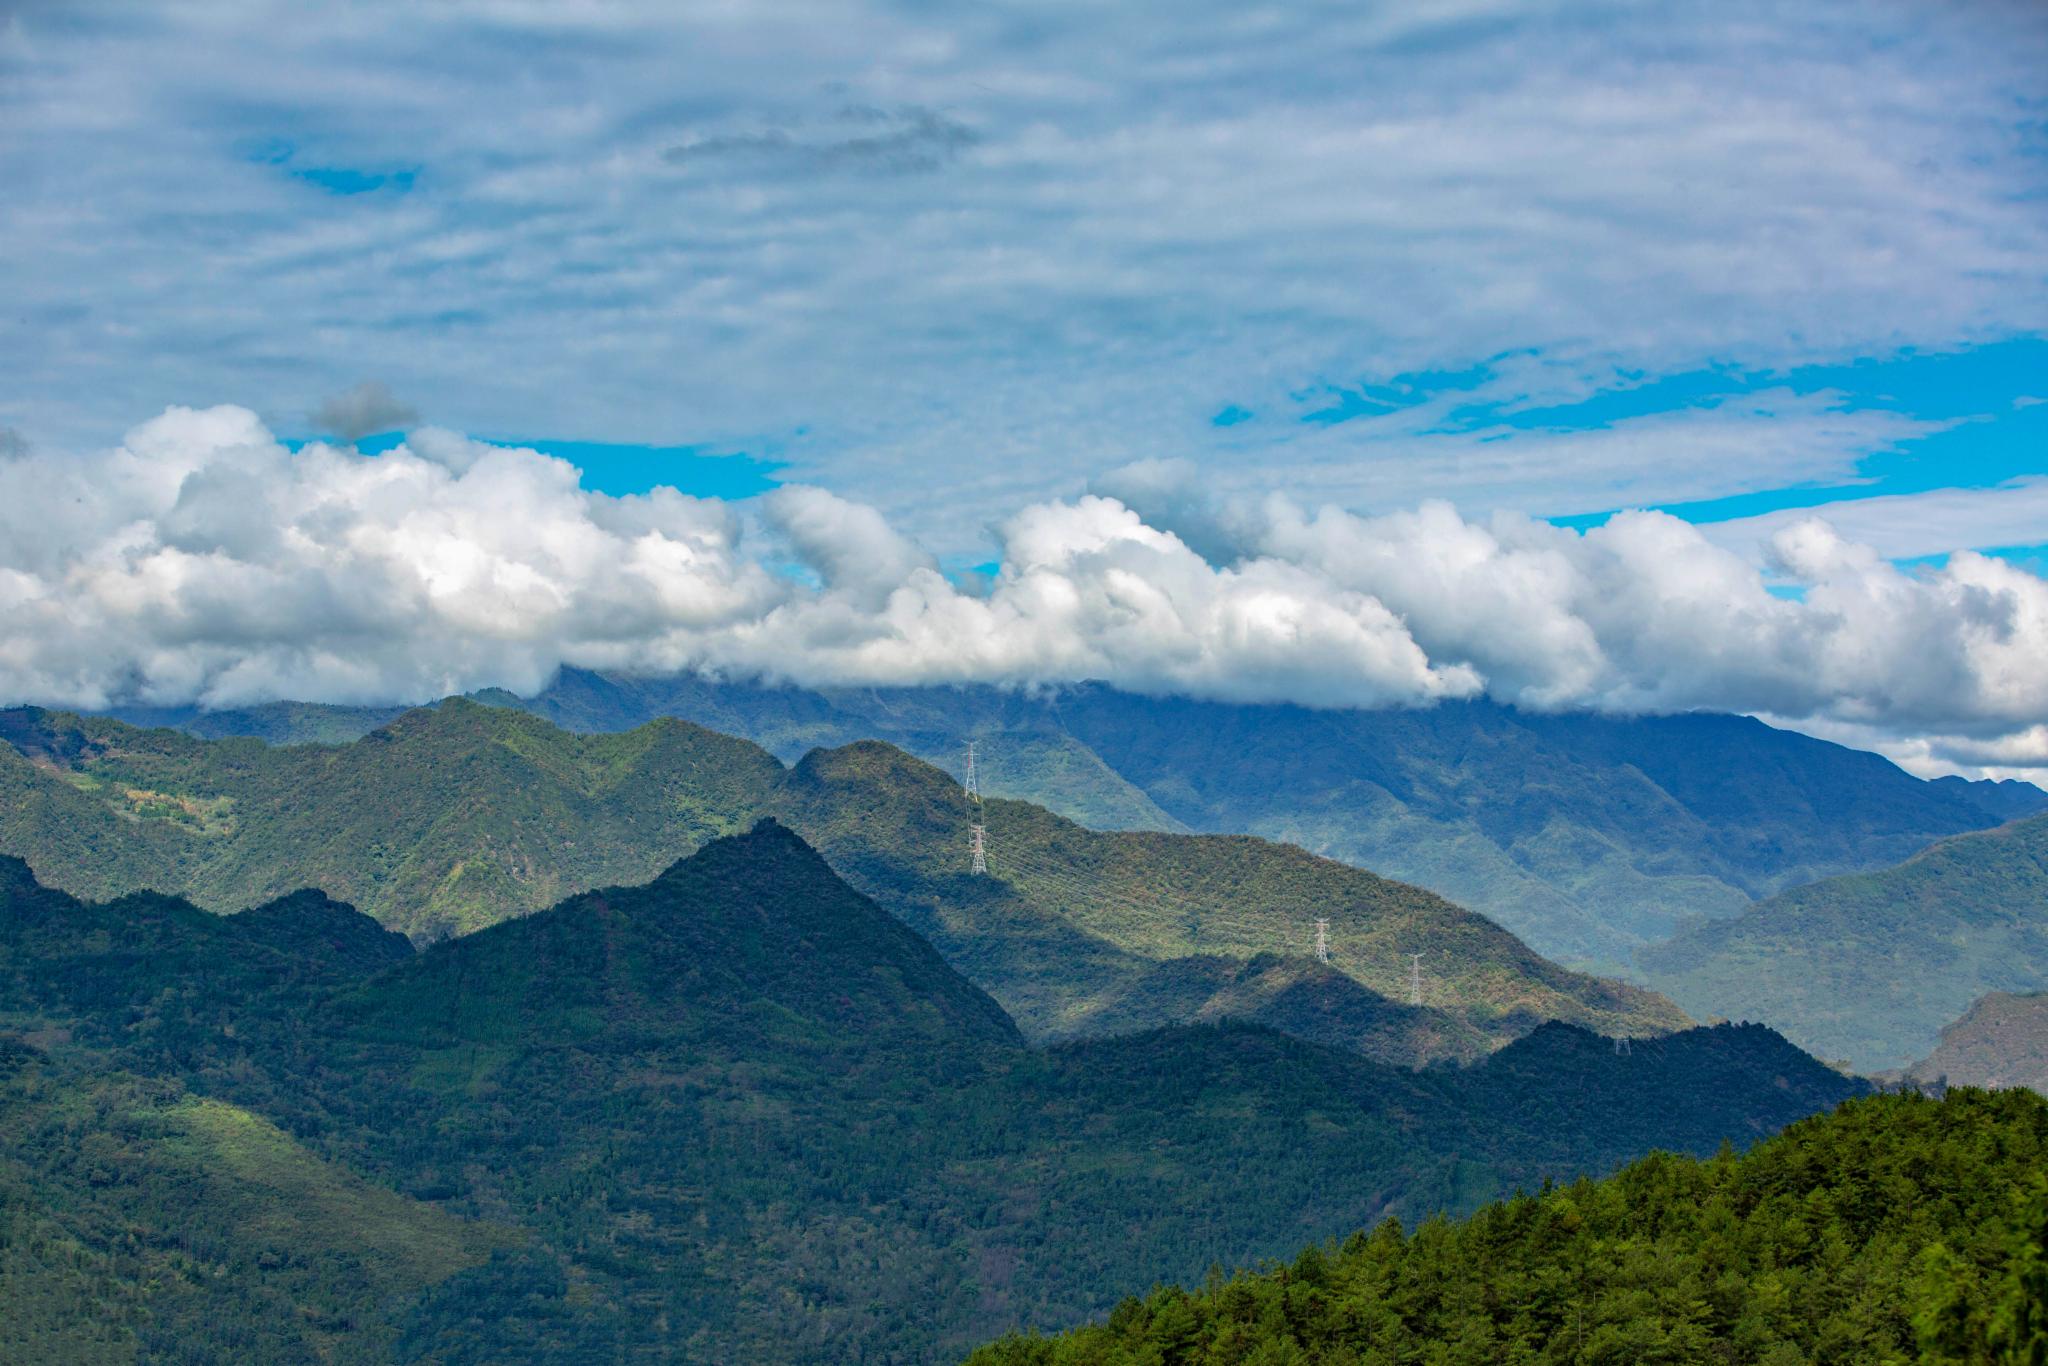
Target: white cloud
[(202, 560)]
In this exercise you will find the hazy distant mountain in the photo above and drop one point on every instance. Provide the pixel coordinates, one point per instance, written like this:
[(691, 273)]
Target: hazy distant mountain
[(736, 1113), (454, 817), (2001, 1040), (1869, 967), (2009, 799)]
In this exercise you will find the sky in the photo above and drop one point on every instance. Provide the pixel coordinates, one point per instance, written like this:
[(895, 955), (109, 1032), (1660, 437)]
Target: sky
[(1622, 355)]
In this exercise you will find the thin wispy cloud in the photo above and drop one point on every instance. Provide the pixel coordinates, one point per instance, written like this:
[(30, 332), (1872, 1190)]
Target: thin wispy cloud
[(855, 137), (931, 251)]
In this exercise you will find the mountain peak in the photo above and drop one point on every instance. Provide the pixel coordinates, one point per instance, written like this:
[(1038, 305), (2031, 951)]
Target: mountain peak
[(767, 842), (753, 934), (325, 933)]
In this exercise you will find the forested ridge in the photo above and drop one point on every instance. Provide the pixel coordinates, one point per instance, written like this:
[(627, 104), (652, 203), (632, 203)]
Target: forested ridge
[(737, 1113), (1897, 1229), (447, 819)]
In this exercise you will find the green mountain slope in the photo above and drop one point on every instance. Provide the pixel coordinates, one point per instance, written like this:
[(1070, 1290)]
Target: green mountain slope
[(1029, 759), (742, 1113), (1069, 919), (447, 818), (453, 817), (2001, 1040), (1870, 966), (140, 1220), (1895, 1229), (1586, 835)]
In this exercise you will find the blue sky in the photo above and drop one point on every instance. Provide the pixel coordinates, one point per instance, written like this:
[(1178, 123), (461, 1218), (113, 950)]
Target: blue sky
[(626, 468), (1983, 432)]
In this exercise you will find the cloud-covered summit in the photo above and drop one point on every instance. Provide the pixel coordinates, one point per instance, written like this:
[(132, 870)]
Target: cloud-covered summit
[(203, 560)]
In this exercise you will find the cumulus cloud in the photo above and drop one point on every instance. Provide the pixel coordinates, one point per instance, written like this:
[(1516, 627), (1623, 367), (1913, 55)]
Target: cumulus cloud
[(202, 560), (363, 411)]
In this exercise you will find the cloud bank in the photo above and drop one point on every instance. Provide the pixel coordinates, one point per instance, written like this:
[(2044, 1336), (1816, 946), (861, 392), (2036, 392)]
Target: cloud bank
[(201, 560)]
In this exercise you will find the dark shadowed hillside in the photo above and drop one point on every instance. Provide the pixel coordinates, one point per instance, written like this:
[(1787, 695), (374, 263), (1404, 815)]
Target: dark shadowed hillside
[(736, 1113)]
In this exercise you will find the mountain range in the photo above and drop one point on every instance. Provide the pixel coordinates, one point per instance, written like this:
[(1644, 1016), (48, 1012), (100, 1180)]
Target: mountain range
[(449, 818), (737, 1112), (1586, 835)]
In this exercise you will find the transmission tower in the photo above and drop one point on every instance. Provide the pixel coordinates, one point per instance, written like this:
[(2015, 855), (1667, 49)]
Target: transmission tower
[(1414, 979), (973, 780), (977, 843), (1322, 941)]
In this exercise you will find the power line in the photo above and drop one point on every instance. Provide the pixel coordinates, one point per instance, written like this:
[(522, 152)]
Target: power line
[(977, 837), (1044, 873), (1202, 920), (1062, 878)]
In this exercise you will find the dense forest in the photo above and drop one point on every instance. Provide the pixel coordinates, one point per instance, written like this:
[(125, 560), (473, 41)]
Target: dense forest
[(739, 1112), (1897, 1229)]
